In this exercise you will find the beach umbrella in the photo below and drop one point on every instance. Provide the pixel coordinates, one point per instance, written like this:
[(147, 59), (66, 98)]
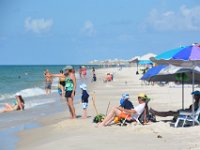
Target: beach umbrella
[(171, 73), (186, 56)]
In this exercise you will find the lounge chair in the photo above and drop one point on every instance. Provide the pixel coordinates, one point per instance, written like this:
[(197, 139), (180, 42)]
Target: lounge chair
[(132, 120), (188, 117)]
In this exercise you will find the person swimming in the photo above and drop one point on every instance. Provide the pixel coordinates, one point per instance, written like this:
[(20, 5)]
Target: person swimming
[(17, 104)]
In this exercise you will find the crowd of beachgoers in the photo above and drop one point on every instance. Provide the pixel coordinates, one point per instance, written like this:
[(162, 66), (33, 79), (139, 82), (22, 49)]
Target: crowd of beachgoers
[(125, 113)]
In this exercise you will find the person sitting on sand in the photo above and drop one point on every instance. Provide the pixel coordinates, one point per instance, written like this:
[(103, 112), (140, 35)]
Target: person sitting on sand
[(108, 77), (126, 110), (84, 99), (196, 96), (18, 104)]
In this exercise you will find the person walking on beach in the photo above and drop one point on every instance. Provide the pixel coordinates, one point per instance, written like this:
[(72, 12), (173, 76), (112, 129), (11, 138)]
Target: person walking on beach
[(70, 88), (17, 104), (48, 81), (84, 99)]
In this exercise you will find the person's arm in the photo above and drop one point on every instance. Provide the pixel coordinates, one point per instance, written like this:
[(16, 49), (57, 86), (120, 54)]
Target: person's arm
[(74, 82), (57, 75), (131, 111)]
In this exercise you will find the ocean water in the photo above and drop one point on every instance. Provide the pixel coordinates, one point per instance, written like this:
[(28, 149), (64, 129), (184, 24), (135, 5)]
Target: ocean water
[(29, 82)]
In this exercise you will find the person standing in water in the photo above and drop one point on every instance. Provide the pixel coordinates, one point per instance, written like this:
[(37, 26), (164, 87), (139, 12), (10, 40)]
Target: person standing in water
[(48, 81), (70, 88), (62, 82)]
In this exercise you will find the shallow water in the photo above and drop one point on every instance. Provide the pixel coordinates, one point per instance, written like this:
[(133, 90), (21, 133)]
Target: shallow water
[(37, 104)]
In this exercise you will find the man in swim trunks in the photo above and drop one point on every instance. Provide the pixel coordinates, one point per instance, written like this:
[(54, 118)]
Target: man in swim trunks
[(48, 81)]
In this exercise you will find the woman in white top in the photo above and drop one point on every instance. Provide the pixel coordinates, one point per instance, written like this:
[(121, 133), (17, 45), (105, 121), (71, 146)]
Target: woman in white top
[(120, 111)]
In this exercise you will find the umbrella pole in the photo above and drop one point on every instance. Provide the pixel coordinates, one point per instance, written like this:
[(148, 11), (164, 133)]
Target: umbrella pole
[(193, 77), (182, 91)]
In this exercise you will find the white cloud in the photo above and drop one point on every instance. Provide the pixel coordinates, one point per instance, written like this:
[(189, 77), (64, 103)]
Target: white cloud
[(88, 28), (185, 19), (38, 25)]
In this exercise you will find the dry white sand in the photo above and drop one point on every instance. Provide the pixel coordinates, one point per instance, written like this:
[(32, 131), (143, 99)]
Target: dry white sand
[(61, 133)]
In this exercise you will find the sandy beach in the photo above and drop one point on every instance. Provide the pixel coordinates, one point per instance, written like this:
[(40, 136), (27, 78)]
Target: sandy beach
[(59, 132)]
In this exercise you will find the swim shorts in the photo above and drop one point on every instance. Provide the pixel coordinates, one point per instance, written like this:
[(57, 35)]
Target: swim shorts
[(48, 85), (85, 105), (124, 115), (69, 94)]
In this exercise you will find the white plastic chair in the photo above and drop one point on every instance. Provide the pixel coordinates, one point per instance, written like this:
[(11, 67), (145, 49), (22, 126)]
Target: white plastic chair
[(188, 117)]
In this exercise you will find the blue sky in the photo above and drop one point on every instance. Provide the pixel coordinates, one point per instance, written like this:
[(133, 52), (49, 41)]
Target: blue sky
[(77, 31)]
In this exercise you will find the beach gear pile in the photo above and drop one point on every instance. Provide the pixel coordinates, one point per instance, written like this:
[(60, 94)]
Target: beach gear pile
[(99, 118)]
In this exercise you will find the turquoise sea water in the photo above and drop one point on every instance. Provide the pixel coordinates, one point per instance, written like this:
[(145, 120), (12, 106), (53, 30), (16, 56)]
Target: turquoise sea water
[(28, 80)]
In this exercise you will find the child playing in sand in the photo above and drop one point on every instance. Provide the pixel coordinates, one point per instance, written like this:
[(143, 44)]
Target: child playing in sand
[(84, 99)]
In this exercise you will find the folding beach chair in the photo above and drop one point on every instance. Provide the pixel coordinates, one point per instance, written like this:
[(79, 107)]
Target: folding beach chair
[(132, 119), (188, 117)]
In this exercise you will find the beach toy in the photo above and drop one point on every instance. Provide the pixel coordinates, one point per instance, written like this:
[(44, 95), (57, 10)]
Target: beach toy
[(116, 120)]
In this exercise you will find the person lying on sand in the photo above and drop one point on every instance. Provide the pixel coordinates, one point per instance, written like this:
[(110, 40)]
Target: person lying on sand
[(126, 110), (18, 104), (196, 96)]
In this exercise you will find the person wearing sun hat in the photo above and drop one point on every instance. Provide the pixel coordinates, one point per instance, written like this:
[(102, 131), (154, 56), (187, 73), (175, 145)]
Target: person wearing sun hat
[(126, 110), (196, 96), (84, 99)]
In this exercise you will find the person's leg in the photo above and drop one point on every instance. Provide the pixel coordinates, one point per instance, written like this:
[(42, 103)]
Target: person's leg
[(84, 114), (71, 106), (62, 89), (114, 112), (8, 106), (163, 114)]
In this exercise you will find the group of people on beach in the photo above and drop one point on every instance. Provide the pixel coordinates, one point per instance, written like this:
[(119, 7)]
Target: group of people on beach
[(67, 84), (126, 110)]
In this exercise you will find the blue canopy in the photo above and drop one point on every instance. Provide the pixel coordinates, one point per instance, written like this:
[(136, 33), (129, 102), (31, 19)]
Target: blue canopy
[(169, 54), (145, 62), (153, 72)]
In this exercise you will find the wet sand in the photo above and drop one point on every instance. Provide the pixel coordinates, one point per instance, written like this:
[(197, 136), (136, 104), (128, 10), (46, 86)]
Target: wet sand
[(60, 132)]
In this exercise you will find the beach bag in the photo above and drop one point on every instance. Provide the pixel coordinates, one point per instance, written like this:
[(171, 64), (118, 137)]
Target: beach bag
[(99, 118), (149, 116)]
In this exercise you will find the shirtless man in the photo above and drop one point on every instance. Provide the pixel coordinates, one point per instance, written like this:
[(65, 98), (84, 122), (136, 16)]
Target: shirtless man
[(48, 81)]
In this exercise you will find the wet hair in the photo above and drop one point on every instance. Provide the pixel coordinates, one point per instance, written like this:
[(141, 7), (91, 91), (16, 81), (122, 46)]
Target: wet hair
[(21, 99)]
